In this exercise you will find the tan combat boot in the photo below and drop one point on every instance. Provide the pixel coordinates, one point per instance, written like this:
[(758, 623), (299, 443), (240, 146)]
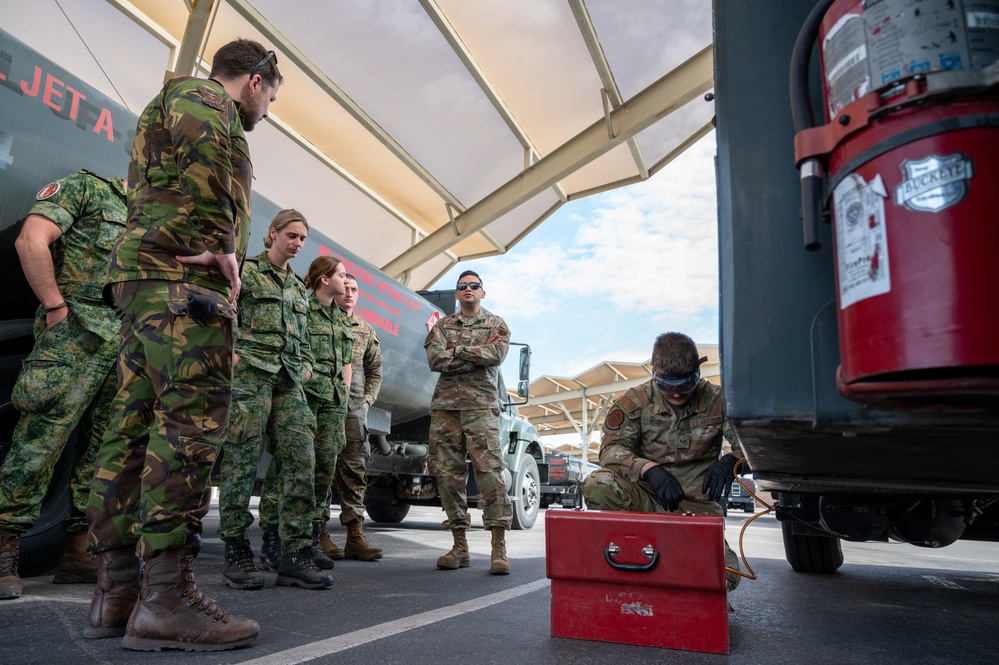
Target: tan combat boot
[(458, 556), (328, 546), (499, 565), (10, 551), (76, 566), (173, 613), (357, 546), (119, 580)]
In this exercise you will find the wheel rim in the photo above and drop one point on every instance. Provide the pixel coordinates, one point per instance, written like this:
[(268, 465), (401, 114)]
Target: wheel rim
[(529, 493)]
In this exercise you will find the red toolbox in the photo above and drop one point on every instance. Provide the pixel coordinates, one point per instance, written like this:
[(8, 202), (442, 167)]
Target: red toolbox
[(638, 578)]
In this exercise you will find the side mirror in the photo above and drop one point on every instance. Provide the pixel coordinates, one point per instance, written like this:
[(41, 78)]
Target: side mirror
[(524, 384), (524, 380)]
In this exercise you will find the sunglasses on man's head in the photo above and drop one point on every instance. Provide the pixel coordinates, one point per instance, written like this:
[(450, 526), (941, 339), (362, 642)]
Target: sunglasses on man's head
[(263, 61), (475, 286)]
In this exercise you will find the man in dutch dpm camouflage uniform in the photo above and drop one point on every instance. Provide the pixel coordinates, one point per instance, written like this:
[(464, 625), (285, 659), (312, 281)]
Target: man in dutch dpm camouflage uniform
[(67, 379), (174, 275), (662, 441), (467, 349), (351, 477)]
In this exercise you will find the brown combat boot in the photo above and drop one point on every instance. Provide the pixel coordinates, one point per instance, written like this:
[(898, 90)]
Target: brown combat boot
[(357, 546), (319, 557), (76, 566), (173, 613), (10, 551), (458, 556), (328, 546), (119, 580), (499, 565)]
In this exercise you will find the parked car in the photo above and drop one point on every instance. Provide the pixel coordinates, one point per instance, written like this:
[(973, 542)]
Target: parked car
[(740, 498)]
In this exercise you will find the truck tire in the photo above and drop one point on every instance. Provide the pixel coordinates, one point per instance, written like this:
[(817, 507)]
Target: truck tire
[(42, 546), (388, 513), (527, 491), (811, 553)]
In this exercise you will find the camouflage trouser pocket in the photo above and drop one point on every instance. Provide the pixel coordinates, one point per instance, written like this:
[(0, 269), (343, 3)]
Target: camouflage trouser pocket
[(40, 386), (355, 425)]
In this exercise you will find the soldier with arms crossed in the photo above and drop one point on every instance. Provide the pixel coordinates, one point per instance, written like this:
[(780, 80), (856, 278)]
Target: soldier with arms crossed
[(662, 441), (68, 379), (467, 349), (174, 276)]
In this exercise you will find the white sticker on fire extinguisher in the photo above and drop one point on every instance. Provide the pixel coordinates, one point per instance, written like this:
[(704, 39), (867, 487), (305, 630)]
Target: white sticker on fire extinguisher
[(934, 183), (861, 243)]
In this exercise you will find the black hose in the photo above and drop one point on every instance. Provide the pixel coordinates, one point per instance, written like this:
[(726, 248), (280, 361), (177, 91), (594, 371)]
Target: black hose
[(812, 181), (801, 56)]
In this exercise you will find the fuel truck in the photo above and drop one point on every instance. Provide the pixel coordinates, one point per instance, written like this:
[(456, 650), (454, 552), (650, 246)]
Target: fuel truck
[(51, 124), (857, 170)]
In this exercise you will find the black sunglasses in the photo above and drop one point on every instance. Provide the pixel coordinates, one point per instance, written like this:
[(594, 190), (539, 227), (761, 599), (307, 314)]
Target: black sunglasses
[(263, 62), (475, 286)]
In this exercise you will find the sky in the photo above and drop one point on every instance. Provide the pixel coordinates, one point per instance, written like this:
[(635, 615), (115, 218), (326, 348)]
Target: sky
[(604, 275)]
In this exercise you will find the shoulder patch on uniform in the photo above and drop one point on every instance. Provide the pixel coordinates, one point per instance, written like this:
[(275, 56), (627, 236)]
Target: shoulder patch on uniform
[(212, 98), (627, 403), (48, 191), (615, 418)]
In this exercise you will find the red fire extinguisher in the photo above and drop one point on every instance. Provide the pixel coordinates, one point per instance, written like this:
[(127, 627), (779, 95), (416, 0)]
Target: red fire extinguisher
[(907, 165)]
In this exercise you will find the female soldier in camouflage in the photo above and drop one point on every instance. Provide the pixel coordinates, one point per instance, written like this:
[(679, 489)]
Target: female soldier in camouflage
[(273, 362), (332, 345)]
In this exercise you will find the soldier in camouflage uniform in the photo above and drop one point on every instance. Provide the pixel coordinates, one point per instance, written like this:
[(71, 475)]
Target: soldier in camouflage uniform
[(68, 379), (351, 476), (332, 343), (467, 349), (274, 360), (662, 441), (174, 275)]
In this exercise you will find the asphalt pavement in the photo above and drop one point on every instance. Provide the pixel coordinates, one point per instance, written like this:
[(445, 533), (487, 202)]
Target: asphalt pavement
[(889, 603)]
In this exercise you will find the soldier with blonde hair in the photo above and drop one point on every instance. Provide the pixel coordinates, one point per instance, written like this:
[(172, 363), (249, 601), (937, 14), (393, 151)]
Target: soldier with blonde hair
[(273, 362)]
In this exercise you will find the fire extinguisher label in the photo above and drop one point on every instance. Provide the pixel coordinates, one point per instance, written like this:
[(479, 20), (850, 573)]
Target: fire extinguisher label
[(861, 243), (934, 183)]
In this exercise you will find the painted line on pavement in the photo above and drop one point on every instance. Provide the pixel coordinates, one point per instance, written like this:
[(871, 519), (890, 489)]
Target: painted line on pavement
[(340, 643)]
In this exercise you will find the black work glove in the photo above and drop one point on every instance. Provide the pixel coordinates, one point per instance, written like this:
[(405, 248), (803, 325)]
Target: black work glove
[(666, 486), (201, 307), (719, 476)]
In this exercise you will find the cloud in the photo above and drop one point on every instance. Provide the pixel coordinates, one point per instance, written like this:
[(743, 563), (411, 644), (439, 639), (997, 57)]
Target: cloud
[(649, 248)]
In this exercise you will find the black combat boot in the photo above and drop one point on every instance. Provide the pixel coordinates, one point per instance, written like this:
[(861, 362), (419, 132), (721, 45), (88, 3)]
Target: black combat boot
[(239, 571), (270, 551), (319, 557), (298, 569)]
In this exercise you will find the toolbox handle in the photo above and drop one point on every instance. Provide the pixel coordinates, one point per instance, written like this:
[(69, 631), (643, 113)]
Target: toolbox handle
[(613, 550)]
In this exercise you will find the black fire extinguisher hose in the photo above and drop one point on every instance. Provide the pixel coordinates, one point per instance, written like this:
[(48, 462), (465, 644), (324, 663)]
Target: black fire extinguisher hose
[(812, 177)]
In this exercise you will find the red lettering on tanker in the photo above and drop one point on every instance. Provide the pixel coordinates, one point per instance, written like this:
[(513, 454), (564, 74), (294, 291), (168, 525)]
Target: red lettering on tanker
[(378, 321), (376, 292), (67, 102)]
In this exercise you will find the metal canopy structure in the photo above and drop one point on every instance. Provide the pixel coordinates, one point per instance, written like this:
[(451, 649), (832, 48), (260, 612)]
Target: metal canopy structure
[(564, 405), (419, 133)]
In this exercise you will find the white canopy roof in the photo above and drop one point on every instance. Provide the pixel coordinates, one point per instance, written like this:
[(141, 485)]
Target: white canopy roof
[(420, 132)]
